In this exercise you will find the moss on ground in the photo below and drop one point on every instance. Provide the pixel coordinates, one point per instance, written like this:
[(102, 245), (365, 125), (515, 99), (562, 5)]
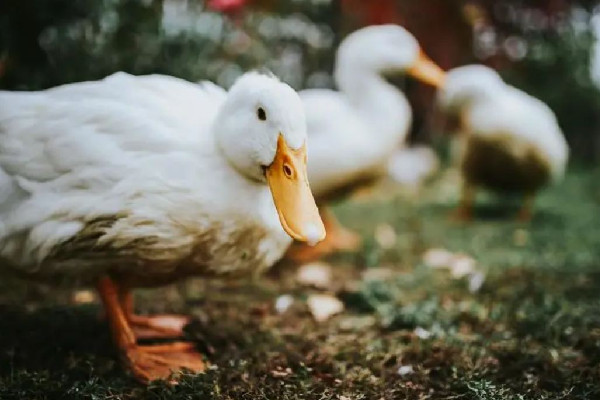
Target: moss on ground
[(532, 331)]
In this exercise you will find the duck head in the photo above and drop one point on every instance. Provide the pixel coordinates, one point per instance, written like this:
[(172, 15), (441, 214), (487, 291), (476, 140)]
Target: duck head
[(261, 130), (467, 84), (387, 48)]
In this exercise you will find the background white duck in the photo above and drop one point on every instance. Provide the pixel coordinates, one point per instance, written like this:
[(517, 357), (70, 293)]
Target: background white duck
[(138, 181), (509, 141), (354, 131)]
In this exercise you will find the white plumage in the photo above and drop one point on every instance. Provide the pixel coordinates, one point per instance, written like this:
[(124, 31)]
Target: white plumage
[(511, 141), (355, 130), (141, 152), (139, 181), (488, 107)]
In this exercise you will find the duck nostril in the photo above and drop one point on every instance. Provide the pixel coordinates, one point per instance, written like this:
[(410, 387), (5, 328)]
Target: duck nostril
[(287, 170)]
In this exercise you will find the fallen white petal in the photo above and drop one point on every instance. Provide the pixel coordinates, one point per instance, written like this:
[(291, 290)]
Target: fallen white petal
[(462, 265), (385, 235), (323, 306), (84, 296), (438, 258), (405, 370), (283, 302), (281, 373), (476, 281), (317, 274), (422, 333)]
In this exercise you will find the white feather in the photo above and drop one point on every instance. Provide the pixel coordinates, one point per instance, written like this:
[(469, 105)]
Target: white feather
[(353, 132), (143, 147), (490, 107)]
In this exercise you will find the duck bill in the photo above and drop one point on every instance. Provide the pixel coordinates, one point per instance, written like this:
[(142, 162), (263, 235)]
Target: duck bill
[(425, 70), (295, 204)]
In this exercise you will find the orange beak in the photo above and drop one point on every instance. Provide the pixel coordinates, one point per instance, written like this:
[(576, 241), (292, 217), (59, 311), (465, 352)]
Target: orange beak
[(427, 71), (295, 204)]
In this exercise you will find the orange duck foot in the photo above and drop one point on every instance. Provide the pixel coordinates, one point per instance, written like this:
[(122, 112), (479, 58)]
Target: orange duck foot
[(151, 362), (462, 214), (163, 362), (524, 216), (526, 212), (158, 326), (302, 253), (154, 326)]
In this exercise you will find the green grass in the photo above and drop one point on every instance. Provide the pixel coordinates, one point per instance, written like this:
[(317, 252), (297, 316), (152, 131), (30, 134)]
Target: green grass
[(531, 332)]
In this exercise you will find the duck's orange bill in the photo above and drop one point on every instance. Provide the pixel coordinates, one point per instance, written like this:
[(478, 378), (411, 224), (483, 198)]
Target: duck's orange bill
[(295, 204), (424, 69)]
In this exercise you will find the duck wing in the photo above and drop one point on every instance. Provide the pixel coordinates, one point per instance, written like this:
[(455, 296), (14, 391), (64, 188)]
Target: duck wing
[(68, 154), (525, 118), (340, 145)]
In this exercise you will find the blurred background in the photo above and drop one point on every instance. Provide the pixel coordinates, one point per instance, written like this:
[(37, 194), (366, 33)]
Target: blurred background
[(426, 308), (549, 48)]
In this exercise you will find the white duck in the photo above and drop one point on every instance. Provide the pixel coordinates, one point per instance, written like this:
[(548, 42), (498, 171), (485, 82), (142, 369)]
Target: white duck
[(138, 181), (354, 131), (510, 141)]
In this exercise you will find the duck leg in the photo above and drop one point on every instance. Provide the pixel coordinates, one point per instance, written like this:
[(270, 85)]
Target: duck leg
[(464, 211), (154, 326), (341, 238), (526, 211), (147, 363), (338, 239)]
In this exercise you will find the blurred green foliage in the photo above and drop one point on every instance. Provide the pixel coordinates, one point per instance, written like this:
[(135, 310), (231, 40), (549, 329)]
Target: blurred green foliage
[(556, 69), (46, 43)]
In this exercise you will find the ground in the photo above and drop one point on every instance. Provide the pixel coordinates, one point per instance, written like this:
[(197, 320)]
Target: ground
[(409, 331)]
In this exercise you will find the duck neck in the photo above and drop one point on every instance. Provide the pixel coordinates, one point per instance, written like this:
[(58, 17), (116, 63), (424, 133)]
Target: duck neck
[(377, 101)]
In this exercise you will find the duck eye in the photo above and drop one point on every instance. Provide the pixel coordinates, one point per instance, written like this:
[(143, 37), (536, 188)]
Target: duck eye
[(261, 114), (287, 170)]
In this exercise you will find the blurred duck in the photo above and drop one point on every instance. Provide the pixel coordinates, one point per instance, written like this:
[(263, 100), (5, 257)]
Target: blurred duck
[(510, 142), (354, 131), (140, 181)]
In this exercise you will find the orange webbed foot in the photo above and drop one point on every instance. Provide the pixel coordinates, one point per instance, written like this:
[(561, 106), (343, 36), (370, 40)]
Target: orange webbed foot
[(147, 362), (525, 215), (158, 326), (302, 253), (526, 212), (163, 362), (461, 214), (464, 212)]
